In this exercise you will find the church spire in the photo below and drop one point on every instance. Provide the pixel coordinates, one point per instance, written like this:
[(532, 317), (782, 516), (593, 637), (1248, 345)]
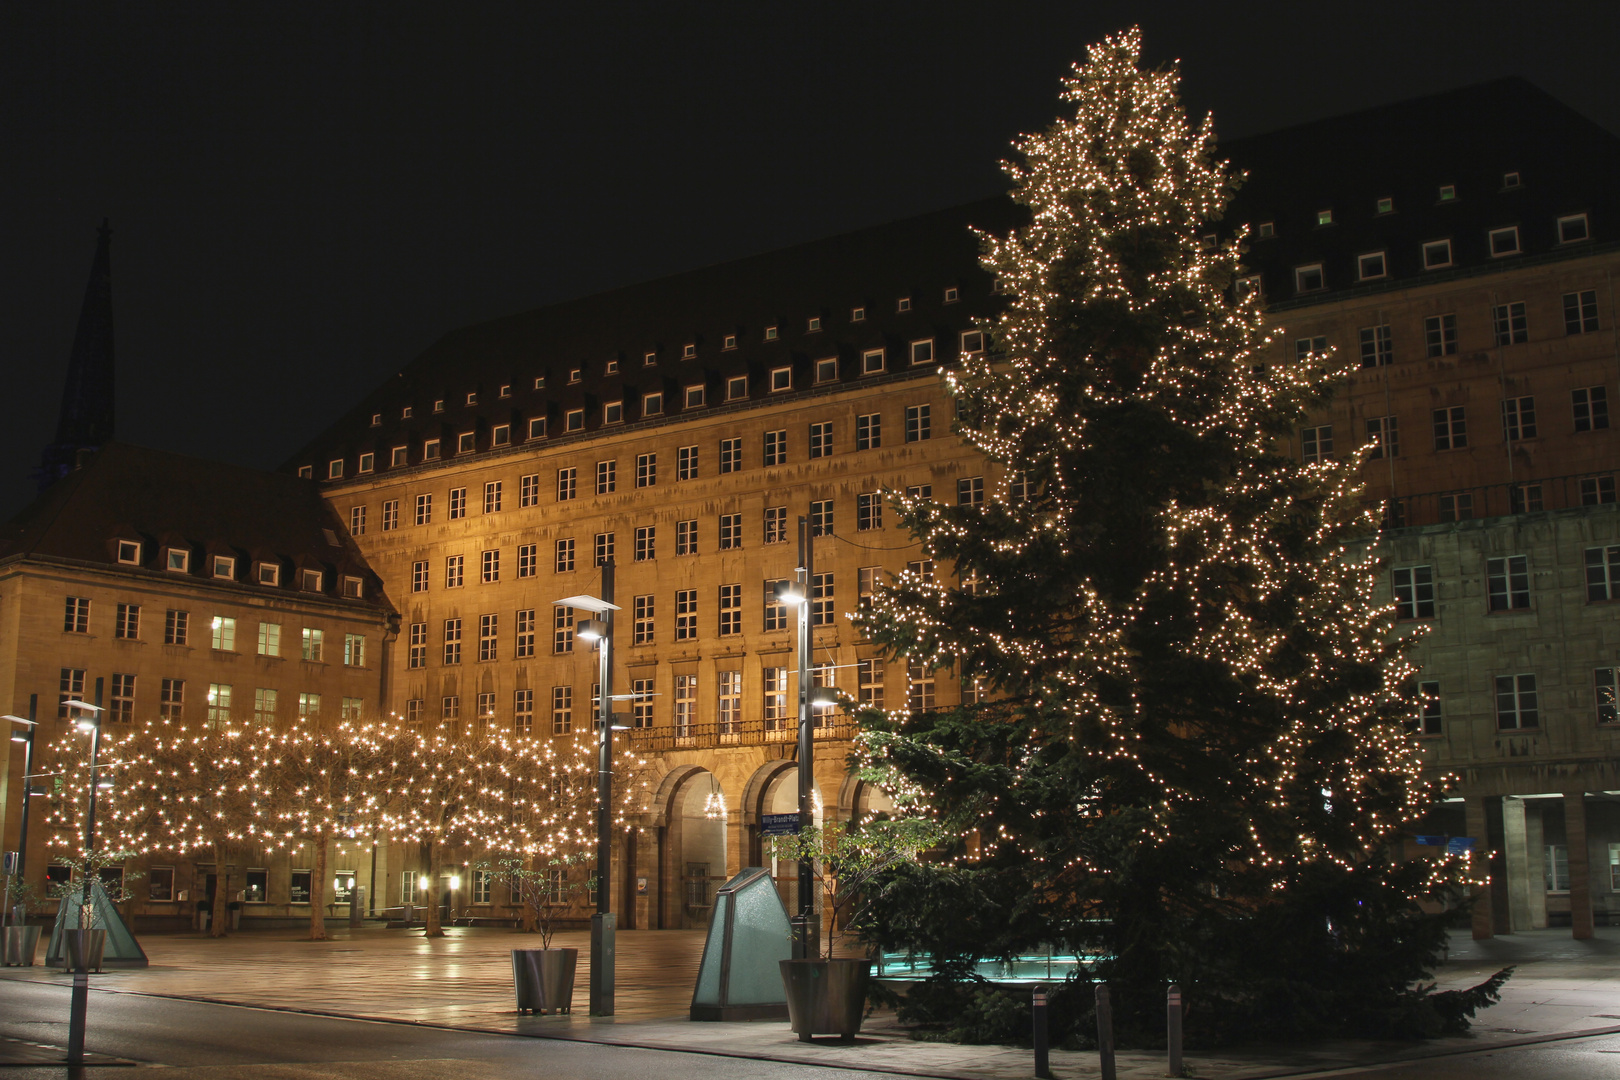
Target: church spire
[(86, 420)]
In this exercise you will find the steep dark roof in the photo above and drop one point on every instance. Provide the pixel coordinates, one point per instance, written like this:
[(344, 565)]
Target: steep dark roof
[(86, 419), (1468, 138), (166, 500)]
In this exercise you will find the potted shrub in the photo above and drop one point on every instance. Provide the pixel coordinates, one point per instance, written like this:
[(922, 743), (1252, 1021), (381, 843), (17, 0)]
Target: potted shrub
[(545, 891), (22, 940), (827, 994), (83, 945)]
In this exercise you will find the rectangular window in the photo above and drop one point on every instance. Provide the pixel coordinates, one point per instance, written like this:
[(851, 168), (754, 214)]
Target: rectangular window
[(730, 455), (1524, 498), (1591, 405), (821, 436), (160, 884), (314, 647), (686, 463), (607, 477), (867, 580), (574, 420), (686, 687), (522, 719), (1457, 506), (450, 712), (641, 703), (1371, 265), (775, 698), (354, 650), (1603, 686), (1504, 241), (970, 491), (224, 633), (1377, 348), (919, 688), (567, 484), (827, 370), (1556, 868), (972, 342), (775, 525), (1429, 708), (269, 639), (458, 503), (821, 600), (1597, 490), (562, 630), (642, 610), (652, 404), (1603, 573), (821, 517), (529, 490), (1307, 347), (686, 537), (686, 614), (729, 702), (737, 388), (525, 634), (646, 543), (1309, 278), (537, 427), (1018, 487), (1580, 312), (923, 569), (424, 509), (390, 522), (528, 560), (488, 637), (562, 710), (500, 435), (1516, 703), (357, 521), (1440, 335), (919, 423), (775, 448), (76, 616), (869, 431), (1508, 582), (1573, 229), (1317, 443), (419, 576), (309, 706), (775, 611), (646, 470), (563, 562), (489, 566), (1450, 428), (70, 688), (454, 571), (219, 705), (452, 641), (781, 379), (1414, 592), (127, 623), (868, 511), (1510, 324), (730, 610), (869, 683), (492, 497), (1436, 254), (416, 656), (171, 698), (922, 352), (264, 706), (1519, 418), (603, 547), (872, 362), (1385, 436), (176, 627)]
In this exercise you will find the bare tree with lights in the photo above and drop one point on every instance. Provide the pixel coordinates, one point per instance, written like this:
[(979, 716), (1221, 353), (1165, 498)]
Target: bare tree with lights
[(1193, 756)]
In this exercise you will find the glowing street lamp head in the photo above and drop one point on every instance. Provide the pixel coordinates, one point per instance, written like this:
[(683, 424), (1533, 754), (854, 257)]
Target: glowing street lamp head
[(790, 593), (591, 629)]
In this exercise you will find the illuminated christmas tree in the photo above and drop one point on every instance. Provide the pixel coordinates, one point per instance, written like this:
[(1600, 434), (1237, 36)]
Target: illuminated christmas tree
[(1191, 756)]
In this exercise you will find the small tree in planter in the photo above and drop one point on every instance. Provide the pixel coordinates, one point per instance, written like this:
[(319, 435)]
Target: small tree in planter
[(829, 994), (544, 889)]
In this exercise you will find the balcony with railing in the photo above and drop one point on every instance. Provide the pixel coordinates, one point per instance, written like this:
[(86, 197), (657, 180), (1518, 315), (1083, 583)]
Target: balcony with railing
[(1500, 500), (830, 727)]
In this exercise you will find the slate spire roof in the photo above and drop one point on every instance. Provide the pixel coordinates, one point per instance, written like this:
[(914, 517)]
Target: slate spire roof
[(86, 420)]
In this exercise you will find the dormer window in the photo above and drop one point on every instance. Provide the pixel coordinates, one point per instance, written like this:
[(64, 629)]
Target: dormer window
[(694, 396), (689, 351), (376, 419), (1511, 180), (179, 560), (652, 404), (1249, 285), (539, 382), (500, 435), (649, 359), (613, 412), (857, 314), (438, 405), (1209, 242), (827, 370), (728, 342), (1386, 205), (506, 390), (574, 375), (952, 294), (352, 588), (871, 361), (306, 472), (1504, 241), (467, 442), (813, 326), (537, 427), (334, 469), (781, 379), (574, 420), (309, 580), (1266, 230), (129, 552), (903, 304), (268, 573), (430, 450), (1370, 266), (736, 388), (612, 367), (1324, 217), (1448, 192), (771, 333), (1309, 278), (1572, 229), (1436, 253), (406, 413), (368, 462), (225, 567), (401, 457), (922, 352), (472, 399)]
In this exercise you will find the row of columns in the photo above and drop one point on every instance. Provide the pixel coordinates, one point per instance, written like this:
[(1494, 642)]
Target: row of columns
[(1508, 900)]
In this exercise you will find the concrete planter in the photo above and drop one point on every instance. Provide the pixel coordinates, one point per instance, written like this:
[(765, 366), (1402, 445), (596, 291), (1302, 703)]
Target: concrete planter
[(544, 979), (84, 948), (22, 942), (826, 997)]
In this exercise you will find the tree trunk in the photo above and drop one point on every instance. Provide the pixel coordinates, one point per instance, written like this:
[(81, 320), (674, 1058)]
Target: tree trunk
[(431, 926), (520, 892), (222, 887), (317, 889)]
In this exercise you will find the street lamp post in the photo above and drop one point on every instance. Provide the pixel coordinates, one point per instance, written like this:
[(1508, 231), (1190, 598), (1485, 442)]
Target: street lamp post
[(798, 593), (32, 725), (79, 1003), (603, 923)]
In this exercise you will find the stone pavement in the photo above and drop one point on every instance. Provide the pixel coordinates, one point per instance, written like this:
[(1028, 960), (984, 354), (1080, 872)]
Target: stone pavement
[(463, 981)]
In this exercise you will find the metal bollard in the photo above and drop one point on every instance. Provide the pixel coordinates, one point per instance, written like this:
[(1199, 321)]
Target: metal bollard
[(1043, 1064), (1105, 1032), (1172, 1021)]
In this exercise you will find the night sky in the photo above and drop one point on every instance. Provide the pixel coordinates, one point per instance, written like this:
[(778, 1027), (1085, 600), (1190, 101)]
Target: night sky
[(305, 195)]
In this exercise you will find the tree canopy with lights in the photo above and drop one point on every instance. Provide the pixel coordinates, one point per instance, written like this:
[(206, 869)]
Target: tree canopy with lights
[(1192, 755)]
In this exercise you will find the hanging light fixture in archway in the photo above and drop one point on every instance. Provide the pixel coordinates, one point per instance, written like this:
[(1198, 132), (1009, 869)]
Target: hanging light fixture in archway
[(714, 807)]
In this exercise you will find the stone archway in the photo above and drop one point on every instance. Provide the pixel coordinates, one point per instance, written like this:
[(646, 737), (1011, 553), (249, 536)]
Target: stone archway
[(774, 789), (692, 847)]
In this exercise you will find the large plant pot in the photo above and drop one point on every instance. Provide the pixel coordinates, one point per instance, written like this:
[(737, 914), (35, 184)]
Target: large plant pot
[(544, 979), (84, 948), (826, 997), (22, 942)]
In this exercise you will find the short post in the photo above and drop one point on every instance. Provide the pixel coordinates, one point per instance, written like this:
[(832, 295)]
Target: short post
[(79, 1004), (1043, 1064), (1105, 1032), (1172, 1021)]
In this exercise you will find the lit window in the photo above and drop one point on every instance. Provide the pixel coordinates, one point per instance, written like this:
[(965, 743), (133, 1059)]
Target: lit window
[(1386, 206), (1448, 192), (1324, 217)]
